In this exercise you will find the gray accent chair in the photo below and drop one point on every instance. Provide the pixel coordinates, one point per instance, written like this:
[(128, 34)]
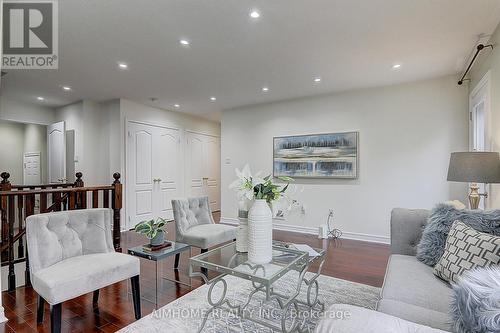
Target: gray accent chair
[(412, 296), (71, 253), (195, 226)]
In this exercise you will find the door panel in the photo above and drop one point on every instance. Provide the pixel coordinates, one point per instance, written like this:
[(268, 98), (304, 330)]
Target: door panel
[(139, 174), (203, 158), (56, 152), (154, 171), (167, 170), (212, 158), (32, 174), (195, 165), (143, 157)]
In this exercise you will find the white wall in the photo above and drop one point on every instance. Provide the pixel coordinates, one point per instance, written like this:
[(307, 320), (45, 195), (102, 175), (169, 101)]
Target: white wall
[(406, 135), (11, 150), (25, 112), (16, 139)]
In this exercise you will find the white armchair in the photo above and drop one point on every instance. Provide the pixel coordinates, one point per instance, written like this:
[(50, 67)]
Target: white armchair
[(195, 226), (71, 253)]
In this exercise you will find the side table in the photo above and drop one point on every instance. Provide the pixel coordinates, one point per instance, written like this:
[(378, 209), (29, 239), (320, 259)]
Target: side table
[(158, 257)]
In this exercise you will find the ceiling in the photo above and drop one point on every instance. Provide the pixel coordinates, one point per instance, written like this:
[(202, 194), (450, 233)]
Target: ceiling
[(350, 44)]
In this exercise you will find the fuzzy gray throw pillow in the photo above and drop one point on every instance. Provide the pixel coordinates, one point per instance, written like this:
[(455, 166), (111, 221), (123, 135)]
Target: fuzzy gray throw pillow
[(475, 305), (431, 246)]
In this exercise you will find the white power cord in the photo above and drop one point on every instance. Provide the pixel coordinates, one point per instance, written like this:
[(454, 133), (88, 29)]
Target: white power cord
[(332, 233)]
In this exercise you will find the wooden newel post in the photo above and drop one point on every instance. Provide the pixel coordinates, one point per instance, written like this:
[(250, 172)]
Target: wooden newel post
[(79, 180), (81, 197), (5, 185), (116, 204)]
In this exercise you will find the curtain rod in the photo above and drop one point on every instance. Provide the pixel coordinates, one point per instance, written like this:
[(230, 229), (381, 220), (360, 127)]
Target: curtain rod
[(479, 48)]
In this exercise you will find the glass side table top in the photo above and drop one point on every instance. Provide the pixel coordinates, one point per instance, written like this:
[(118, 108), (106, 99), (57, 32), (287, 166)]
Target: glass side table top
[(227, 260), (160, 254)]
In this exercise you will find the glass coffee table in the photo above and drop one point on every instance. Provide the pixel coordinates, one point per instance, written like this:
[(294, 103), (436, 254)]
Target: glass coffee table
[(158, 256), (225, 260)]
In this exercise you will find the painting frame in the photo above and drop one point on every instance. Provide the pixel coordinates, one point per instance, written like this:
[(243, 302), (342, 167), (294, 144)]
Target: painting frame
[(353, 160)]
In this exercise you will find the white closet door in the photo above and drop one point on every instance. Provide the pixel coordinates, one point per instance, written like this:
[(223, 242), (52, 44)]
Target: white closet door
[(195, 164), (212, 162), (140, 185), (203, 167), (167, 170)]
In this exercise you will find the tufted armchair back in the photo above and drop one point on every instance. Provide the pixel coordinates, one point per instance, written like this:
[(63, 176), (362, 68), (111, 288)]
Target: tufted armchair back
[(190, 212), (53, 237)]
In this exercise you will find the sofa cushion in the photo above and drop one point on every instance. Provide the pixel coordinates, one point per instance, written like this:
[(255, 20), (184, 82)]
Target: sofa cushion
[(465, 249), (79, 275), (416, 314), (342, 318), (207, 235), (410, 281)]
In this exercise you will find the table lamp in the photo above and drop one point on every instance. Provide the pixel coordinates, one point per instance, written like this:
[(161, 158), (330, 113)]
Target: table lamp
[(474, 167)]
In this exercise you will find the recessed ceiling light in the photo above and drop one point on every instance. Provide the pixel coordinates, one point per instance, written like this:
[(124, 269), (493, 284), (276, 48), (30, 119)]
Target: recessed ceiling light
[(265, 89), (184, 42), (396, 66), (40, 98), (67, 88), (317, 79), (177, 106), (213, 98), (254, 14), (122, 65)]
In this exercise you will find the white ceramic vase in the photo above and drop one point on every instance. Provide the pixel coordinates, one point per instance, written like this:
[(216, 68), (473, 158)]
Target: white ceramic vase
[(242, 235), (260, 233)]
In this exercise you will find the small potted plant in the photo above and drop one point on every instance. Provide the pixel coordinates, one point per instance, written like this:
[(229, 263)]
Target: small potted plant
[(152, 229)]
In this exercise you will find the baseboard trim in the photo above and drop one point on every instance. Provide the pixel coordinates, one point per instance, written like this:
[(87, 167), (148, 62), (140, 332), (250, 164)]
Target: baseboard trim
[(314, 231)]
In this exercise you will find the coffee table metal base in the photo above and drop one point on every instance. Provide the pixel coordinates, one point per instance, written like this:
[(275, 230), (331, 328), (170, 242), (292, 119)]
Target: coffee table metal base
[(288, 304)]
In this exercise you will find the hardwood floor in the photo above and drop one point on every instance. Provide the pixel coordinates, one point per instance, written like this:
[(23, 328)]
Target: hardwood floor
[(346, 259)]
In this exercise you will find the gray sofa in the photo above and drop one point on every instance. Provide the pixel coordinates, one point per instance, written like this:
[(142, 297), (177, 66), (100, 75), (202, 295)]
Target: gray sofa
[(413, 297)]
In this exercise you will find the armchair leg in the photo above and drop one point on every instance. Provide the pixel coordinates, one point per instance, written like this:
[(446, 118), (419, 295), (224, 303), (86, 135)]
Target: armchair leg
[(176, 263), (40, 310), (55, 318), (95, 298), (136, 296)]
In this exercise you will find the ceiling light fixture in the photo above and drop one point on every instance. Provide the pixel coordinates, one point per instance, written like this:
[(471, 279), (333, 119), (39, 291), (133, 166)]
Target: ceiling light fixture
[(254, 14), (265, 89), (213, 98), (317, 79), (67, 88), (396, 66), (177, 106), (122, 65), (184, 42), (40, 98)]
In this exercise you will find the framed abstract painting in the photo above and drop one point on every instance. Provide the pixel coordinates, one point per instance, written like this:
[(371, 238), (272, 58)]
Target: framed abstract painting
[(332, 155)]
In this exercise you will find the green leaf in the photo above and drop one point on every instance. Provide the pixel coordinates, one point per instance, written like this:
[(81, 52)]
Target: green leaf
[(286, 178)]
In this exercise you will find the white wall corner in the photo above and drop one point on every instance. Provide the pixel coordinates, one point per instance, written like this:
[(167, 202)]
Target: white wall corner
[(314, 231)]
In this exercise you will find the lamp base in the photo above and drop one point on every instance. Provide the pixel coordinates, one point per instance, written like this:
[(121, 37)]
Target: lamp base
[(474, 196)]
